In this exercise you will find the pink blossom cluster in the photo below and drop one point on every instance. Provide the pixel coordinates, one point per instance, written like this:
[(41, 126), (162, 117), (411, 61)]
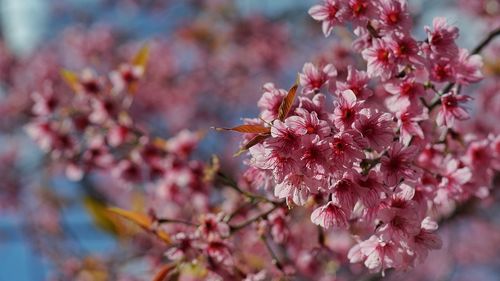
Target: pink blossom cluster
[(377, 160), (92, 131)]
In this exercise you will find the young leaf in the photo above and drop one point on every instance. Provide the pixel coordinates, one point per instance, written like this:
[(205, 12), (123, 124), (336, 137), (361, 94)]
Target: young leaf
[(257, 139), (142, 56), (101, 217), (141, 220), (287, 102), (161, 275), (70, 78), (251, 129)]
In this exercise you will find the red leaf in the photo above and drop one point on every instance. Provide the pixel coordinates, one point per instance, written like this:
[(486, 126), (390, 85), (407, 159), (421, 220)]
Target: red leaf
[(257, 139), (287, 102), (141, 220), (162, 274), (251, 129)]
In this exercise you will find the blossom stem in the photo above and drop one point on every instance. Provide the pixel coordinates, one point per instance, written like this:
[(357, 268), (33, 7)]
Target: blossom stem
[(254, 219), (232, 184), (166, 220), (275, 259)]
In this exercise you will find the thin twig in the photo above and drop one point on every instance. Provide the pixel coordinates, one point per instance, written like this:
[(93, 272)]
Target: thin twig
[(232, 184), (254, 219), (166, 220), (275, 259)]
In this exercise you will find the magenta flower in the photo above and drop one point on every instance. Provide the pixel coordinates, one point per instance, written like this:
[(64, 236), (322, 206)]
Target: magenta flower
[(441, 38), (347, 110), (345, 192), (212, 227), (469, 68), (409, 124), (344, 149), (314, 153), (454, 177), (313, 78), (297, 187), (405, 93), (376, 254), (270, 101), (376, 128), (450, 109), (398, 164), (394, 15), (380, 59), (442, 70), (426, 239), (360, 11), (329, 215), (331, 13), (309, 123), (357, 82)]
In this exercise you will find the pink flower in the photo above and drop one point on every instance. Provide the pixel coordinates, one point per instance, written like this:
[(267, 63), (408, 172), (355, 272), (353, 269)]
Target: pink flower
[(344, 150), (278, 223), (426, 239), (310, 124), (286, 135), (405, 93), (357, 82), (468, 68), (394, 15), (219, 250), (398, 164), (104, 109), (404, 48), (128, 171), (89, 83), (360, 11), (212, 227), (314, 153), (118, 135), (399, 223), (45, 102), (125, 76), (454, 176), (316, 104), (43, 132), (376, 128), (450, 109), (376, 254), (346, 110), (270, 101), (268, 158), (380, 59), (331, 13), (313, 78), (370, 188), (442, 38), (329, 215), (408, 122), (345, 192), (442, 70), (297, 187), (183, 247), (97, 154), (479, 155), (183, 144)]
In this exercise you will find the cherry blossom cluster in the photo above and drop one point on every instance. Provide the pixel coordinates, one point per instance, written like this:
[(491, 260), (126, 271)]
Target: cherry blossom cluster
[(92, 131), (384, 154)]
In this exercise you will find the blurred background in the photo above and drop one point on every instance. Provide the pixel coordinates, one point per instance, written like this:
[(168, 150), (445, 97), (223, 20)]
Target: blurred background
[(211, 58)]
